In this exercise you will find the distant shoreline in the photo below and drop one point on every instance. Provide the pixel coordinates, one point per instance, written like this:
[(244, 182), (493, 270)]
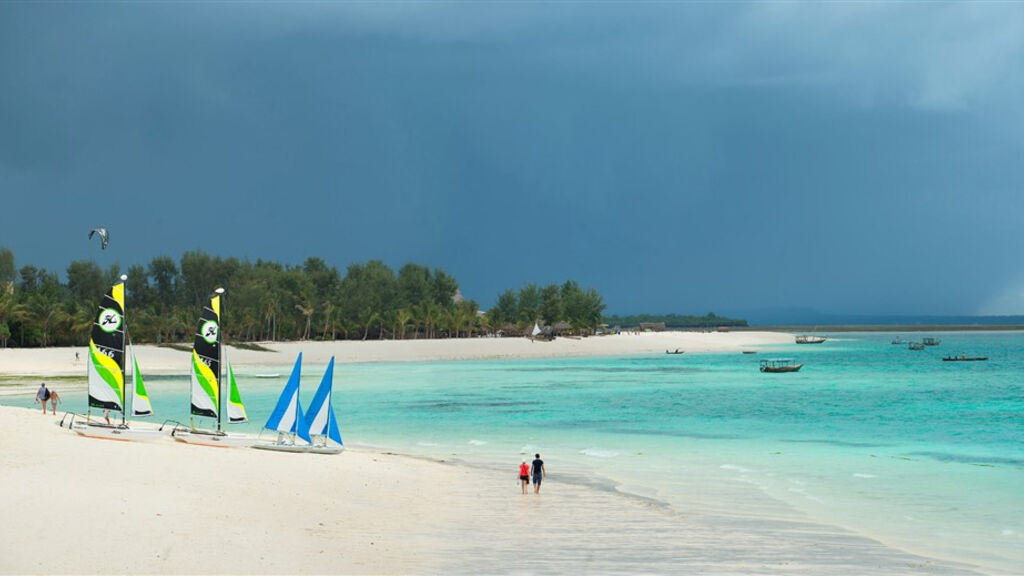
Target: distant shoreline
[(797, 328)]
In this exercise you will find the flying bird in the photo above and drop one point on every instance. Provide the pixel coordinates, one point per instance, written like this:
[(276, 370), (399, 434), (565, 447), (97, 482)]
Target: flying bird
[(104, 237)]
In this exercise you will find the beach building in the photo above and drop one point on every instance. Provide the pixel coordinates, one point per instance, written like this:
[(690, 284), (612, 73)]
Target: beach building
[(652, 327)]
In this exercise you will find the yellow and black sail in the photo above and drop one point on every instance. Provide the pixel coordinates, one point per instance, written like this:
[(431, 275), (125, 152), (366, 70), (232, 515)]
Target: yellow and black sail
[(106, 352), (206, 362)]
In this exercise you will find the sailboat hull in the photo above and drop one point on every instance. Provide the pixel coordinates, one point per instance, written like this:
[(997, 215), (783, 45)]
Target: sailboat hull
[(212, 438), (281, 447), (299, 448), (122, 434), (326, 449)]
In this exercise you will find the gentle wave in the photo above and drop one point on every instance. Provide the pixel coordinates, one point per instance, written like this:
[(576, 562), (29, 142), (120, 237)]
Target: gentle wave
[(599, 453), (734, 467)]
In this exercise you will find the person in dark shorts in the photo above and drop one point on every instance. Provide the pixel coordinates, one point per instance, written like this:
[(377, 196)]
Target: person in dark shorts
[(524, 475), (43, 395), (538, 472)]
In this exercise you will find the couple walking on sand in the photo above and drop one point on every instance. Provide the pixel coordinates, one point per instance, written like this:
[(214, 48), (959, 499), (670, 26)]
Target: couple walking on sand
[(45, 395), (536, 470)]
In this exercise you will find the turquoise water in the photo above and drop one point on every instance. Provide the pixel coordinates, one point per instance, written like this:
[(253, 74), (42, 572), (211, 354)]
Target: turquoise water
[(896, 444)]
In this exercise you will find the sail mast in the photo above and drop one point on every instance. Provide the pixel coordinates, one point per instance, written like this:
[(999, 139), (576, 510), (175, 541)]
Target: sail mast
[(221, 405), (124, 350)]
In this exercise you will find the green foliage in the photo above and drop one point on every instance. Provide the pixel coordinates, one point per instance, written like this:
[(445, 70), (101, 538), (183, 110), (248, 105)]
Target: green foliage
[(264, 301), (551, 305), (8, 273), (268, 301), (709, 320)]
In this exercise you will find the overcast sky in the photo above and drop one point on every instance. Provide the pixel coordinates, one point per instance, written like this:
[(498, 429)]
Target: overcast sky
[(848, 157)]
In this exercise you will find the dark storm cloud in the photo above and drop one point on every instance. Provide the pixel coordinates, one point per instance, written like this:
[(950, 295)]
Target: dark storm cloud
[(853, 157)]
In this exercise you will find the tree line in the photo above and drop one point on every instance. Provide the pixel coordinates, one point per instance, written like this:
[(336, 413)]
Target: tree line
[(709, 320), (269, 301)]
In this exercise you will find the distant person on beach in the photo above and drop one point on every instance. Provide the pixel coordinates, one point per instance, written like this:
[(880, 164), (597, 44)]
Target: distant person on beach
[(54, 400), (106, 416), (524, 475), (43, 395), (538, 472), (76, 356)]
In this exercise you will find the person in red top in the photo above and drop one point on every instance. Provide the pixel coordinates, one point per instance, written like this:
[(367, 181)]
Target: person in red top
[(524, 475)]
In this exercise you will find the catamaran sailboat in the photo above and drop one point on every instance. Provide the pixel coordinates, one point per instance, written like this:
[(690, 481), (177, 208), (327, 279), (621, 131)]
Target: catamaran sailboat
[(321, 426), (207, 392), (286, 419), (318, 429), (106, 375)]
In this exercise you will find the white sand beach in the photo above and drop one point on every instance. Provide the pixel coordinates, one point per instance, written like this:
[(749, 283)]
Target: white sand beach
[(87, 506), (81, 505), (164, 360)]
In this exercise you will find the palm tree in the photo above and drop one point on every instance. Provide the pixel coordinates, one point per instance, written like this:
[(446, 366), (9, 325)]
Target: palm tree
[(367, 318), (328, 307), (47, 314), (402, 318), (308, 313), (270, 316), (11, 312)]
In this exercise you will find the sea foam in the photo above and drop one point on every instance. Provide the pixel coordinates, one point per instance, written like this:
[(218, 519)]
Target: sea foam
[(599, 453)]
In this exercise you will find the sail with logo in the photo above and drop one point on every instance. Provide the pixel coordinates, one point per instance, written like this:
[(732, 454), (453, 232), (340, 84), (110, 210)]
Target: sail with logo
[(107, 388), (205, 369), (209, 397), (106, 353)]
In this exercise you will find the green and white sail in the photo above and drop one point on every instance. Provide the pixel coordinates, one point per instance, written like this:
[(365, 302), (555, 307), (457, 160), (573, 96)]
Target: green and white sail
[(140, 398), (206, 363), (236, 410), (107, 353)]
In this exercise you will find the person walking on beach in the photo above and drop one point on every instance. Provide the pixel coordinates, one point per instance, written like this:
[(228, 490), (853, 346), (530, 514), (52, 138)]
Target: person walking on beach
[(54, 400), (524, 475), (43, 395), (538, 472)]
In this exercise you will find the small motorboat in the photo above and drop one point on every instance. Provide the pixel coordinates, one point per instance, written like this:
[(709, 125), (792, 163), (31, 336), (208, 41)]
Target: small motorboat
[(805, 339), (678, 351), (779, 365), (750, 351), (897, 340), (928, 341), (964, 358), (915, 346)]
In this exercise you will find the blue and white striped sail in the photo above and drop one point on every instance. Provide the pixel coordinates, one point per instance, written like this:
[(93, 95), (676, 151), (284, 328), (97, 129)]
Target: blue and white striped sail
[(320, 418), (288, 412)]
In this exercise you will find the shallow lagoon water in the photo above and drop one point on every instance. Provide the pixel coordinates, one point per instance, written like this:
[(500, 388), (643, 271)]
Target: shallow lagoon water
[(895, 444)]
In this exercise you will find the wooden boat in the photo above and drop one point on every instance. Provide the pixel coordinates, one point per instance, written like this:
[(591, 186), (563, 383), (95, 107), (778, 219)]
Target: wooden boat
[(678, 351), (750, 351), (779, 365), (915, 346), (964, 358), (930, 341), (805, 339)]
